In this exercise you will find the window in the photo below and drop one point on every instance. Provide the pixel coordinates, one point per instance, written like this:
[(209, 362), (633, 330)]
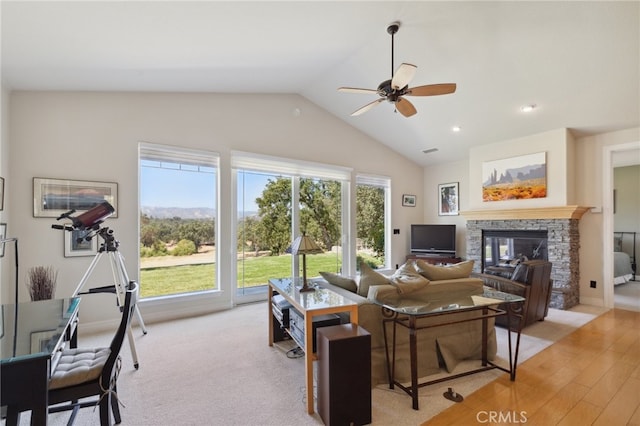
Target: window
[(177, 220), (372, 220), (277, 200)]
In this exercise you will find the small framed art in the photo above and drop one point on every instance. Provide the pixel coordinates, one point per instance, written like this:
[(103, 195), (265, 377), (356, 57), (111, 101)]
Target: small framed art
[(448, 200), (76, 243), (408, 200), (1, 194), (41, 341), (3, 235), (53, 197)]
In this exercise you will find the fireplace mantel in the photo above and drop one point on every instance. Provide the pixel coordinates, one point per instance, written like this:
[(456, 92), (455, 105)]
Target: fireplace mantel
[(563, 212)]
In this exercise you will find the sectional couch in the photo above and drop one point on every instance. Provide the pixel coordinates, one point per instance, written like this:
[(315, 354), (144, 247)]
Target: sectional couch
[(415, 282)]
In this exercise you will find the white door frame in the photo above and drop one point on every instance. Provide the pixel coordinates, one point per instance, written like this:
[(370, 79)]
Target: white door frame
[(607, 216)]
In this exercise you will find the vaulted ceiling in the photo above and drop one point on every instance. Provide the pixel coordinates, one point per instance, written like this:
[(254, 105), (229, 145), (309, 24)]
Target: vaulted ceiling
[(578, 62)]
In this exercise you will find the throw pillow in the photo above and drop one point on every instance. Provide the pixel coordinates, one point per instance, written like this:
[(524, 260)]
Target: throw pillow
[(369, 278), (448, 272), (520, 273), (340, 281), (406, 279)]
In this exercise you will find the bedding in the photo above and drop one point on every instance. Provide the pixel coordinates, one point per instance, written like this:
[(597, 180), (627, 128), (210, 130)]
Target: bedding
[(622, 271)]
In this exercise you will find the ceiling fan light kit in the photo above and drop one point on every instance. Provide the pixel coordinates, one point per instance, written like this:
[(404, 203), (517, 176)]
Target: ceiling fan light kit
[(394, 89)]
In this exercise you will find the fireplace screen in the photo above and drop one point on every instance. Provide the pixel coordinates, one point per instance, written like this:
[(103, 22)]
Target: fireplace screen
[(506, 248)]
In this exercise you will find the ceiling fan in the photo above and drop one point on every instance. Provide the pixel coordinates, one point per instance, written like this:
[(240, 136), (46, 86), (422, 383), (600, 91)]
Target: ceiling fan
[(395, 89)]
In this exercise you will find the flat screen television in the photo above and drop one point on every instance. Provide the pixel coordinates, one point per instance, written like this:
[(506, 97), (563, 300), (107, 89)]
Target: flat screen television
[(433, 239)]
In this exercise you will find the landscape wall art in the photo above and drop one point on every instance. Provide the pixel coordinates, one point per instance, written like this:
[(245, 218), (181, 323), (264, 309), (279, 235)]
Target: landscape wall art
[(515, 178)]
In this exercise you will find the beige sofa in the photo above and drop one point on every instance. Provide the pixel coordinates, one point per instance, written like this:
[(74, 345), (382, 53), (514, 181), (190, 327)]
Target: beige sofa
[(439, 347)]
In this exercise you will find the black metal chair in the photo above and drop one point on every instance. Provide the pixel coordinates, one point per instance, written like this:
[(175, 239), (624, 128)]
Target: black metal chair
[(92, 372)]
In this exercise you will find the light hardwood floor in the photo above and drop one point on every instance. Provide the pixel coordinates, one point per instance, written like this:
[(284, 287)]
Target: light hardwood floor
[(590, 377)]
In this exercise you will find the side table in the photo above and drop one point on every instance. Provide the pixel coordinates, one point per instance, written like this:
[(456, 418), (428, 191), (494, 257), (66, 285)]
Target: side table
[(321, 301)]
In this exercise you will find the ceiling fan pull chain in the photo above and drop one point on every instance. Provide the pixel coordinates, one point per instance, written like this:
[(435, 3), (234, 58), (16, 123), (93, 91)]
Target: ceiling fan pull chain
[(393, 34)]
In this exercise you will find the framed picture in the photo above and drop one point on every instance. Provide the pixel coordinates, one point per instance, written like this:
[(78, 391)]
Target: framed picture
[(3, 235), (515, 178), (408, 200), (1, 194), (41, 341), (448, 199), (76, 243), (53, 197)]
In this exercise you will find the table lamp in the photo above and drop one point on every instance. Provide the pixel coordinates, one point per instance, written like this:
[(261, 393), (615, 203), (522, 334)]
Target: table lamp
[(304, 245)]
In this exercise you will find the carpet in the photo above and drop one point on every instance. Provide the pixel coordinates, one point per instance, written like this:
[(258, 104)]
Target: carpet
[(627, 295), (217, 369)]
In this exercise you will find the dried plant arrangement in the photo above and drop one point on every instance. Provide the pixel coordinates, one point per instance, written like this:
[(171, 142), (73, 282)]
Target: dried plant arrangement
[(42, 282)]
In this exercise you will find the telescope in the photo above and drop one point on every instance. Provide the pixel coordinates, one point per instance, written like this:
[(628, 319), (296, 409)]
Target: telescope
[(89, 220)]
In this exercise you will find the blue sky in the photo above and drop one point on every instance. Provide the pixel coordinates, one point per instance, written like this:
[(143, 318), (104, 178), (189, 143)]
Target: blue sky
[(162, 187)]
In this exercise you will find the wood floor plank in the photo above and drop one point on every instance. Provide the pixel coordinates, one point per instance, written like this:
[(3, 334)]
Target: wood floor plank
[(582, 414), (589, 377), (560, 404), (622, 406)]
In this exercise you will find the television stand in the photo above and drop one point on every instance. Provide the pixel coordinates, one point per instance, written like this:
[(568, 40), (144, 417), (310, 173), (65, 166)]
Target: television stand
[(434, 259)]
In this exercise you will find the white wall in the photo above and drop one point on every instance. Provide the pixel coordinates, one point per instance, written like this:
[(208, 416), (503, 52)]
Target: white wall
[(94, 136), (556, 144), (596, 238), (575, 176), (447, 173), (6, 272)]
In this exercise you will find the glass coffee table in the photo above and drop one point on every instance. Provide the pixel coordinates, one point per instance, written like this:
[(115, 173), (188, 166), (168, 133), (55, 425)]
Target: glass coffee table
[(440, 314)]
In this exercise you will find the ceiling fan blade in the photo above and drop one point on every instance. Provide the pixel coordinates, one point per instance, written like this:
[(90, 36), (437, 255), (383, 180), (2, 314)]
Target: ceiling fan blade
[(356, 90), (403, 76), (405, 107), (432, 89), (367, 107)]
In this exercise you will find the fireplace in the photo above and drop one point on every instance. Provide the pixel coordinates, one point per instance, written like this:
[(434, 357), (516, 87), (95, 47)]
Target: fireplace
[(507, 247), (562, 243)]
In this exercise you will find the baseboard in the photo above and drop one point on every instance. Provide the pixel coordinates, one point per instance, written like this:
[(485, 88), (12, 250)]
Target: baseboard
[(593, 301)]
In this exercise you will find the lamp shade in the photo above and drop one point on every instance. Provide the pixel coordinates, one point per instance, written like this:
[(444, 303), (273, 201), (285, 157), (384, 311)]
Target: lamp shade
[(304, 245)]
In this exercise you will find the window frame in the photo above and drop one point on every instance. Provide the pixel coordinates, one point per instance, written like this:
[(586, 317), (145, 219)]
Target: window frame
[(296, 169), (150, 151)]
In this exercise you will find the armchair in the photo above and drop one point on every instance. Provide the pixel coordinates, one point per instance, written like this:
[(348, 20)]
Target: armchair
[(532, 280)]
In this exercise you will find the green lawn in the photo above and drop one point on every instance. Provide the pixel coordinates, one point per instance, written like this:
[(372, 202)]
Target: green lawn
[(257, 271)]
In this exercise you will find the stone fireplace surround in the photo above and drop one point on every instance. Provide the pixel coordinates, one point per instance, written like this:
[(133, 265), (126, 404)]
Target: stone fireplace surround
[(561, 224)]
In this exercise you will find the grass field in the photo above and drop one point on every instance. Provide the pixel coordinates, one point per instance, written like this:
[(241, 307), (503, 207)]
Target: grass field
[(256, 271)]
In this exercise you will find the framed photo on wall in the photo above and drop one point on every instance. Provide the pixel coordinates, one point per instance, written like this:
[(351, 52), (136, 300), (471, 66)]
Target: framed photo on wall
[(53, 197), (3, 235), (76, 243), (41, 340), (1, 194), (448, 199), (408, 200)]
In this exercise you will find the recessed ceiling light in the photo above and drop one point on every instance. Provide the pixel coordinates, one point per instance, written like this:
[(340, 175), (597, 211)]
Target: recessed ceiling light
[(528, 108), (456, 129), (430, 150)]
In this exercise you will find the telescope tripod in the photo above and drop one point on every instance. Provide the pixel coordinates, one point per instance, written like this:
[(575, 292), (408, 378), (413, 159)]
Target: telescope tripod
[(121, 280)]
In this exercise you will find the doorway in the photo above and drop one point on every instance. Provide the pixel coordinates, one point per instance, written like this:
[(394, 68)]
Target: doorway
[(620, 222)]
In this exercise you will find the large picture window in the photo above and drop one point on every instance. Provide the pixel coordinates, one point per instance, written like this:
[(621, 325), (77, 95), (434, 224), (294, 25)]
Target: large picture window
[(279, 199), (372, 220), (178, 210)]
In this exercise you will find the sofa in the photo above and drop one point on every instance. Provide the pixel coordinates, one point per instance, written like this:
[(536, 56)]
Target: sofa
[(530, 279), (438, 348)]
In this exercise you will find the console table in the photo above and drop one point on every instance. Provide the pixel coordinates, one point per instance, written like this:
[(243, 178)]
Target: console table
[(321, 301), (408, 317)]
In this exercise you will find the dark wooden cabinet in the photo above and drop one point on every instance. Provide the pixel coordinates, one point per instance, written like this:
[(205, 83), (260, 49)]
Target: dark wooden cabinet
[(344, 375), (435, 260)]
